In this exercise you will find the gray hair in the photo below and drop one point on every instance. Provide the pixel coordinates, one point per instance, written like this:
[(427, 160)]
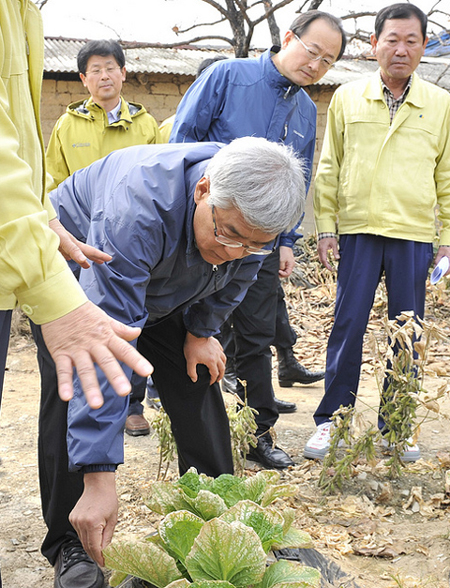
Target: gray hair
[(263, 180)]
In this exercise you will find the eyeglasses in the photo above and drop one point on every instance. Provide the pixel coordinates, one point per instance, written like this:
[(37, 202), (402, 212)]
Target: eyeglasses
[(236, 244), (314, 56), (109, 70)]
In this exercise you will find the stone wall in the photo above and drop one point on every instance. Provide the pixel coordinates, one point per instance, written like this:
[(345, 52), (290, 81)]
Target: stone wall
[(160, 94)]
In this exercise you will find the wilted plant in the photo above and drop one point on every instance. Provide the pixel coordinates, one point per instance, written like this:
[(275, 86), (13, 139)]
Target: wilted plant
[(410, 340), (166, 442), (243, 426), (216, 532), (242, 429), (356, 448)]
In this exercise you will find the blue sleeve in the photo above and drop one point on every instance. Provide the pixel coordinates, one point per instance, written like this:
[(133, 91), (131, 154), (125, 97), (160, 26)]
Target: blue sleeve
[(199, 107), (118, 287), (95, 437)]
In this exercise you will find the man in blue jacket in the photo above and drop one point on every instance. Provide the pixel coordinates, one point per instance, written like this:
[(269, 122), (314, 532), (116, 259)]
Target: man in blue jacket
[(265, 97), (187, 227)]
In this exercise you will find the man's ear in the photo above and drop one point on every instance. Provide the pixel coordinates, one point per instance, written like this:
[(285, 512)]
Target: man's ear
[(373, 42), (201, 190), (289, 35), (83, 79)]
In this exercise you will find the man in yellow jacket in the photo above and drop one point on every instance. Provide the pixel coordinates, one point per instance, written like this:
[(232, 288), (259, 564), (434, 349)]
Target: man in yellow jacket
[(33, 274), (384, 168), (91, 129)]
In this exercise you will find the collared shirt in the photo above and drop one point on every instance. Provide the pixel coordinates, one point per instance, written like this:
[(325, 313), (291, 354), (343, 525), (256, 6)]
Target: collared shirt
[(114, 114), (394, 103)]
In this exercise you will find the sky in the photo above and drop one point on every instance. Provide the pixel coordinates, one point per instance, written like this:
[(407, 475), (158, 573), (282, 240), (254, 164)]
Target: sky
[(152, 20)]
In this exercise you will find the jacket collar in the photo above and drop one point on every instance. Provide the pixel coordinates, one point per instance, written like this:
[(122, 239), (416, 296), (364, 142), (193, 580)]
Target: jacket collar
[(86, 107), (273, 76), (374, 90)]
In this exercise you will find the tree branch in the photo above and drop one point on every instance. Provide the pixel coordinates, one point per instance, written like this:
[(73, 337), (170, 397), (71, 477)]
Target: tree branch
[(178, 31), (357, 15)]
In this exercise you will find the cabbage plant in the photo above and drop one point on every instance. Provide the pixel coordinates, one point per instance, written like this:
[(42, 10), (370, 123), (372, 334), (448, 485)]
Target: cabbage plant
[(216, 533)]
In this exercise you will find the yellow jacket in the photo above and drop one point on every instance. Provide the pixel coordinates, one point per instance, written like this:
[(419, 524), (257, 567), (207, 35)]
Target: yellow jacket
[(381, 179), (32, 271), (165, 128), (83, 134)]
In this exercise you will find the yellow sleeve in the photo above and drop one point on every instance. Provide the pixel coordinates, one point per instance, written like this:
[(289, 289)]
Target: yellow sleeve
[(31, 267)]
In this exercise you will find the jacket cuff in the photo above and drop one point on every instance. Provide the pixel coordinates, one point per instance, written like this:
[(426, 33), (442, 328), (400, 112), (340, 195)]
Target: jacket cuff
[(90, 469), (56, 297)]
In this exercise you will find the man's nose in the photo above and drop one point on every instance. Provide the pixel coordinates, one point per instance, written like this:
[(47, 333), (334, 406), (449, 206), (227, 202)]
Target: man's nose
[(237, 252), (401, 49), (314, 64)]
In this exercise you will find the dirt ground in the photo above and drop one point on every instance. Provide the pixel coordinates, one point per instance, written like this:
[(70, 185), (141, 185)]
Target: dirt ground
[(384, 533)]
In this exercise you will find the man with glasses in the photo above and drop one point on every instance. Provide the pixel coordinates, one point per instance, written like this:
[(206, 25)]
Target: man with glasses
[(384, 169), (92, 128), (265, 97), (187, 227)]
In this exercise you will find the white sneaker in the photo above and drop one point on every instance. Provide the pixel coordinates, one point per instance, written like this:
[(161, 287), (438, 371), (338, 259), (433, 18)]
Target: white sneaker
[(318, 445), (411, 453)]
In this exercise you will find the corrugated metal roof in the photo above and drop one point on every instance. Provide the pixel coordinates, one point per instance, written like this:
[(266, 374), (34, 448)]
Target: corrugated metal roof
[(61, 57)]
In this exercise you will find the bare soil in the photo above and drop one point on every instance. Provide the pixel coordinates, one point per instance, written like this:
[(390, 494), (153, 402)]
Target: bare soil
[(384, 533)]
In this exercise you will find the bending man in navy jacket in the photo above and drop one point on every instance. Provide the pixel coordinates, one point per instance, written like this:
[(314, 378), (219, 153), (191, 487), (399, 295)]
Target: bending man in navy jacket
[(181, 223)]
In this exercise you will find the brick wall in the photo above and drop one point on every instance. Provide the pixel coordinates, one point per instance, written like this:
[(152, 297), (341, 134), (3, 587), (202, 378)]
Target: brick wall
[(160, 94)]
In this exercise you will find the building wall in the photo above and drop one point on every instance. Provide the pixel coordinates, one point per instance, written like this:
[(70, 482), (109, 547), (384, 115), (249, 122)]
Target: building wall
[(160, 94)]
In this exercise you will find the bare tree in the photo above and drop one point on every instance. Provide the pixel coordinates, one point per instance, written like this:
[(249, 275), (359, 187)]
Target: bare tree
[(239, 14)]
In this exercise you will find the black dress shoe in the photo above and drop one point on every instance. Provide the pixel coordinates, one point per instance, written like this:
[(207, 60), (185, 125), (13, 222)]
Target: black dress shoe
[(75, 569), (269, 457), (290, 371), (285, 407)]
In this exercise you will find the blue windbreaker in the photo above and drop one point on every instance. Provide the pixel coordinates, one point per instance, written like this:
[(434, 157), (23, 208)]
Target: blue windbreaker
[(248, 97), (137, 205)]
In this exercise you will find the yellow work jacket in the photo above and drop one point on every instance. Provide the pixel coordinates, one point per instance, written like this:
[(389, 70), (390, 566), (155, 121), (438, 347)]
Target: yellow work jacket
[(383, 179), (32, 271), (83, 134)]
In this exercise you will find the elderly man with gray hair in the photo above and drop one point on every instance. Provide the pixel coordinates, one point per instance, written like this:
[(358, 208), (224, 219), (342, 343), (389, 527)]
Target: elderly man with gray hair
[(187, 227)]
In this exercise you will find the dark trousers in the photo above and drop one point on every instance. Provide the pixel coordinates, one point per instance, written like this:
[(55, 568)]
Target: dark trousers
[(60, 489), (285, 336), (197, 413), (137, 394), (363, 260), (5, 326), (254, 324)]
